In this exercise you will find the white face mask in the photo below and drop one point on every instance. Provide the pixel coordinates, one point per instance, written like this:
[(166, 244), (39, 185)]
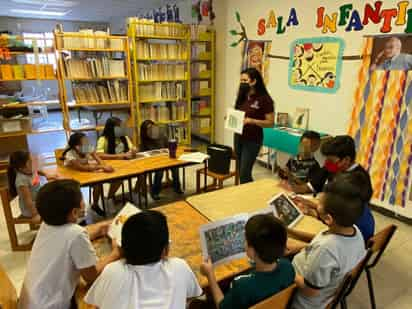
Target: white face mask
[(119, 132), (154, 132), (85, 149)]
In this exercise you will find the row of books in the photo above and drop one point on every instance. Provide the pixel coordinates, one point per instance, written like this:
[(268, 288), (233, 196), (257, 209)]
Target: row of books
[(200, 87), (198, 51), (178, 132), (26, 71), (162, 112), (200, 107), (89, 39), (162, 90), (147, 27), (201, 126), (147, 50), (161, 71), (199, 70), (94, 68), (196, 31), (104, 92)]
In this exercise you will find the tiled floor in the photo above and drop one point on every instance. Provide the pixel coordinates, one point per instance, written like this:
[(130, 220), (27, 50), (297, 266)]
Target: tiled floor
[(392, 277)]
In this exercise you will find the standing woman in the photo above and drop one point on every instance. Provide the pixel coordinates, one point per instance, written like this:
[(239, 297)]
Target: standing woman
[(255, 101)]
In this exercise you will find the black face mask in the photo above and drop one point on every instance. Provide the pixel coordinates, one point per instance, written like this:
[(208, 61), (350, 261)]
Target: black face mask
[(244, 88)]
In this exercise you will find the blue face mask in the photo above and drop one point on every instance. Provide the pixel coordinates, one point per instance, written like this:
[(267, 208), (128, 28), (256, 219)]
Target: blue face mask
[(119, 132)]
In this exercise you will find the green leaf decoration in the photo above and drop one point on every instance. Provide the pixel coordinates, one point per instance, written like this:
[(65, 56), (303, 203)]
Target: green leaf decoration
[(238, 17), (233, 32), (234, 44)]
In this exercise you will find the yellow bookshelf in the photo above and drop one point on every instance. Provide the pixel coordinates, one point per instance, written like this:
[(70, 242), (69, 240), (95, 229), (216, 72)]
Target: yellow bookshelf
[(104, 81), (203, 46), (166, 45)]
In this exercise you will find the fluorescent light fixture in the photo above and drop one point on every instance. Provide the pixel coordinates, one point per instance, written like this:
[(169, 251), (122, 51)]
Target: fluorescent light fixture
[(39, 12), (54, 3)]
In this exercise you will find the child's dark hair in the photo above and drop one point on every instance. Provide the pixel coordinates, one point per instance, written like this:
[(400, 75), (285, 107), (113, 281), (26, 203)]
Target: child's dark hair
[(17, 160), (312, 135), (341, 146), (267, 235), (108, 132), (57, 199), (74, 140), (144, 237), (343, 199)]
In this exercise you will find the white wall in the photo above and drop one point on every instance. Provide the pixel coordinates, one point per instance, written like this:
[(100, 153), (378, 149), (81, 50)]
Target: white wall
[(329, 112)]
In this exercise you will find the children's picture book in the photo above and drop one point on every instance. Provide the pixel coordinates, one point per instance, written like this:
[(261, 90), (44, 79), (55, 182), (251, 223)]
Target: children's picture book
[(282, 119), (224, 240), (196, 157), (115, 230), (234, 120), (285, 210), (301, 118), (264, 211)]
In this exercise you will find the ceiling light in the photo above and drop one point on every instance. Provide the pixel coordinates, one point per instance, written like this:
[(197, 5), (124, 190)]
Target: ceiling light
[(55, 3), (38, 12)]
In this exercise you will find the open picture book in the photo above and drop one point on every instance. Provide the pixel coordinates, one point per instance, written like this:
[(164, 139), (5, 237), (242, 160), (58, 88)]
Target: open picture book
[(224, 240), (115, 230)]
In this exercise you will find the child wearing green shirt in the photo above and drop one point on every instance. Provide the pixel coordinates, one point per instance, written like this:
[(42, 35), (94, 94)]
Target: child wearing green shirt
[(265, 245)]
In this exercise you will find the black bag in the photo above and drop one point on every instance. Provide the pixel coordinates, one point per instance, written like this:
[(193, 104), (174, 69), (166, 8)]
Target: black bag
[(219, 161)]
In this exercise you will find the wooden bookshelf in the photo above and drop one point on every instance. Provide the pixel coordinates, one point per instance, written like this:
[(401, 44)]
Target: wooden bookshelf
[(105, 90), (165, 44), (203, 46)]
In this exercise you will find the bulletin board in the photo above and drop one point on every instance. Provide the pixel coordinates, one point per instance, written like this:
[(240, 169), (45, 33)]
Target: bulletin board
[(315, 64)]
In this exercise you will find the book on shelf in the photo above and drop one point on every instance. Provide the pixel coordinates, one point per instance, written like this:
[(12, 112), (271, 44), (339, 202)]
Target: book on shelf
[(89, 39), (200, 87), (198, 32), (198, 51), (154, 71), (198, 70), (162, 91), (165, 111), (201, 125), (147, 50), (27, 71), (200, 107), (147, 27), (94, 68), (102, 92), (177, 132)]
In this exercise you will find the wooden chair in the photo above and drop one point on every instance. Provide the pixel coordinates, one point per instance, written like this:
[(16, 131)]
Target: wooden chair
[(377, 244), (8, 294), (349, 283), (280, 300), (12, 221), (218, 179)]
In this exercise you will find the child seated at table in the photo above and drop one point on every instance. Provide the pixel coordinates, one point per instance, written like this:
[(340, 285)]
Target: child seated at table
[(146, 277), (80, 156), (152, 138), (24, 181), (298, 168), (323, 264), (62, 251), (265, 245)]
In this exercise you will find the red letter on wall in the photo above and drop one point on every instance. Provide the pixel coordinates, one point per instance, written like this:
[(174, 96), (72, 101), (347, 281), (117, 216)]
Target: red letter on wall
[(261, 27), (372, 14), (387, 16), (321, 11)]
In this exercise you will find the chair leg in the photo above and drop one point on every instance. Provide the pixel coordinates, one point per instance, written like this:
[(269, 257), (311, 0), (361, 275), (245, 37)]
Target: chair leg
[(130, 189), (370, 287), (102, 196), (343, 303), (123, 197), (198, 181), (220, 184)]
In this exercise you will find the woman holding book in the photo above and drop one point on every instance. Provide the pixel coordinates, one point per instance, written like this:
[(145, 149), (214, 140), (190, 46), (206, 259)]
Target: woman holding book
[(152, 138), (255, 101)]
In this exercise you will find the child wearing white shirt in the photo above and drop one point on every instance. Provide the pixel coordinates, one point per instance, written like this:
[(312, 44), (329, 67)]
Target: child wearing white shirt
[(62, 251), (147, 277)]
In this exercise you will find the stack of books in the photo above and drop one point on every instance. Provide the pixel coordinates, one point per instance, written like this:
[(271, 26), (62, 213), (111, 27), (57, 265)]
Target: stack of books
[(26, 71), (103, 67), (156, 51), (200, 107), (200, 70), (200, 88), (103, 92), (162, 90), (164, 112), (89, 39), (161, 71), (147, 27)]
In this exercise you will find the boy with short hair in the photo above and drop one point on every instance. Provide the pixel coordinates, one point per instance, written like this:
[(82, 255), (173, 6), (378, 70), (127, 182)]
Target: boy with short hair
[(298, 168), (323, 264), (62, 251), (147, 277), (265, 245)]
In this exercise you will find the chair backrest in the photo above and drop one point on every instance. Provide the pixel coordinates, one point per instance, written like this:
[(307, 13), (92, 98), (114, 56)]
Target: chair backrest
[(8, 294), (350, 281), (5, 200), (379, 242), (280, 300), (58, 153)]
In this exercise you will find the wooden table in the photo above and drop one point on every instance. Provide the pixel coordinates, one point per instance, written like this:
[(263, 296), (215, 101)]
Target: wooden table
[(247, 198), (184, 222)]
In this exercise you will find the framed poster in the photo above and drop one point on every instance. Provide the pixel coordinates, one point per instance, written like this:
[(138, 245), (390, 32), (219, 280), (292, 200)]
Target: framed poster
[(256, 56), (315, 64)]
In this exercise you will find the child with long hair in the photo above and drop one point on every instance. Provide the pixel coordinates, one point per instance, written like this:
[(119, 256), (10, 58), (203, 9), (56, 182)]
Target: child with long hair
[(79, 155), (24, 182)]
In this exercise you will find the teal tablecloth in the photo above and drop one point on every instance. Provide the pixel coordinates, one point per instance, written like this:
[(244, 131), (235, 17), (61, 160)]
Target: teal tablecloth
[(283, 140)]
